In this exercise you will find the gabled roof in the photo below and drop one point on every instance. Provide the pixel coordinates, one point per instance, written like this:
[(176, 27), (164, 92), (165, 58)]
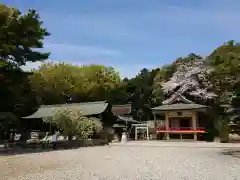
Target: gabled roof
[(177, 98), (87, 108), (178, 102), (180, 106), (127, 120), (122, 109)]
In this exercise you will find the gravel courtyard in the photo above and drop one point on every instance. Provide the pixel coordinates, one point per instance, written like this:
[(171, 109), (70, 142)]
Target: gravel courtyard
[(132, 161)]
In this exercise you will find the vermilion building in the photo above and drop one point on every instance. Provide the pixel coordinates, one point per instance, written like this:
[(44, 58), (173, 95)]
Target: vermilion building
[(179, 118)]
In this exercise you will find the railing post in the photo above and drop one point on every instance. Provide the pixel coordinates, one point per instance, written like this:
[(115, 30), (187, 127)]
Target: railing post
[(167, 125), (194, 124), (136, 129)]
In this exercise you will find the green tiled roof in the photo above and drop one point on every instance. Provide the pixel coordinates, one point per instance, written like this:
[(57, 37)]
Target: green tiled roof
[(179, 106), (87, 108)]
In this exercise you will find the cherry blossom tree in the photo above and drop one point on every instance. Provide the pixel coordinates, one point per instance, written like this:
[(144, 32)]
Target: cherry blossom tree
[(190, 79)]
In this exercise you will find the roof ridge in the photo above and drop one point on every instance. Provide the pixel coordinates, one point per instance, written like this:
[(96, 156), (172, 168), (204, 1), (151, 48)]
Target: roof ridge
[(71, 104), (121, 105), (91, 108), (177, 96)]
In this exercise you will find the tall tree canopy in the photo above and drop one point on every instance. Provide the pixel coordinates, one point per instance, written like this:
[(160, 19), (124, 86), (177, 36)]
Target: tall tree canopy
[(62, 83), (21, 40), (225, 61), (21, 37), (142, 96), (163, 75)]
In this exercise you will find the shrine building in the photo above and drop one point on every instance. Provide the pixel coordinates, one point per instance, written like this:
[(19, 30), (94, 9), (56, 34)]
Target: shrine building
[(180, 119)]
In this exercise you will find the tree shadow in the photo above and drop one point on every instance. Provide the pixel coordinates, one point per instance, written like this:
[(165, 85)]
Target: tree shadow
[(18, 150), (231, 152)]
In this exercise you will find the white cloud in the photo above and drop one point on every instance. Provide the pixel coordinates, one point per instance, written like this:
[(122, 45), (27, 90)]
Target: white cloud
[(81, 50)]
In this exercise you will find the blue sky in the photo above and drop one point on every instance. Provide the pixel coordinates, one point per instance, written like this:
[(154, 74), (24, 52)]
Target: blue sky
[(133, 34)]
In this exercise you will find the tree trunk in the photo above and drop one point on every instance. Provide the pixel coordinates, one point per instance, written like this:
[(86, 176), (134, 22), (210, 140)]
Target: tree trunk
[(24, 136), (70, 137), (224, 132)]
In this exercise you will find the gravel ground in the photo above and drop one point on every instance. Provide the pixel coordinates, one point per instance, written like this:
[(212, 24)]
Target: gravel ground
[(131, 161)]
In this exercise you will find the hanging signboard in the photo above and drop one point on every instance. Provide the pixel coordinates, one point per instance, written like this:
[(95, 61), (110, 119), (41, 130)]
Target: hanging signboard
[(180, 114)]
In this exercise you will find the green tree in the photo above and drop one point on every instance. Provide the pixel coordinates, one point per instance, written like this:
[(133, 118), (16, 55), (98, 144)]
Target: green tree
[(62, 83), (232, 113), (7, 121), (225, 63), (142, 96), (99, 80), (163, 75), (121, 94), (53, 82), (224, 76), (21, 37), (21, 40)]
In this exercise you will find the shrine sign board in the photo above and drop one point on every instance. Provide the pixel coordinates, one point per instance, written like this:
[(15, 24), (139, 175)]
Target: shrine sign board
[(180, 114)]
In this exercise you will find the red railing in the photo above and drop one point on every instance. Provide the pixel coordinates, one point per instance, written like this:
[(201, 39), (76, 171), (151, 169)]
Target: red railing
[(180, 129)]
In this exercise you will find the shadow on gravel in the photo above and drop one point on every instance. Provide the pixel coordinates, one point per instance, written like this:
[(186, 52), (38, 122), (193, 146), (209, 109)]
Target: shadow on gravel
[(18, 151), (171, 146), (31, 148), (231, 152)]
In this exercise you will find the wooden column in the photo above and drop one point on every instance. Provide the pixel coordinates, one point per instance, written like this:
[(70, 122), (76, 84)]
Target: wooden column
[(147, 132), (167, 125), (154, 134), (194, 123), (136, 135)]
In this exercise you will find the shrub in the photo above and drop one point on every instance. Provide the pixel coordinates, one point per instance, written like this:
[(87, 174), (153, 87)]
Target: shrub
[(73, 123)]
